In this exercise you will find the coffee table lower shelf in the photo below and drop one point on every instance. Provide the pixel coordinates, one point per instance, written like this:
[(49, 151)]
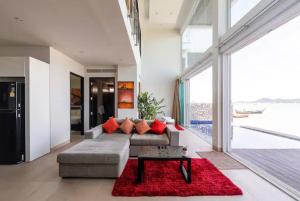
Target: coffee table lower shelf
[(186, 173)]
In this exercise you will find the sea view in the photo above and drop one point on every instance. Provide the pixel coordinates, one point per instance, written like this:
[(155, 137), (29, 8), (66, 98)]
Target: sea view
[(278, 117)]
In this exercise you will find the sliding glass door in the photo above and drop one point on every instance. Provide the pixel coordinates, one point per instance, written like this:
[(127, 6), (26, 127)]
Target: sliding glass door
[(265, 100)]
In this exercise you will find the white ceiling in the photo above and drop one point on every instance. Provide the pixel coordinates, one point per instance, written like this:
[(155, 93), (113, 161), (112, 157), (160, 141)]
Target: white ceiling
[(90, 31), (164, 11)]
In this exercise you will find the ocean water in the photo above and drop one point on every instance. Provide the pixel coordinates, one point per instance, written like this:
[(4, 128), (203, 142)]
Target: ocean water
[(279, 117)]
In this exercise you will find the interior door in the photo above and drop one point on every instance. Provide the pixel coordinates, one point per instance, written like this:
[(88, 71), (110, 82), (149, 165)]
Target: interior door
[(77, 103), (102, 100)]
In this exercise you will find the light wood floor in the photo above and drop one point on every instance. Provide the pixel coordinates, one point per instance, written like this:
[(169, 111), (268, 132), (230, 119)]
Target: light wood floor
[(283, 164), (39, 181)]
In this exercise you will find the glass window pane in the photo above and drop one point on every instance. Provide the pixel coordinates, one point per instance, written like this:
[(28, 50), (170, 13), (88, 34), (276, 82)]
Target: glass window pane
[(266, 103), (197, 37), (201, 104), (239, 8)]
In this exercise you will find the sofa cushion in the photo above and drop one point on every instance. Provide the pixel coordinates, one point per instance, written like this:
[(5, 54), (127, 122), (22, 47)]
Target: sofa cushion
[(142, 127), (106, 149), (93, 132), (127, 126), (158, 127), (149, 139), (110, 125)]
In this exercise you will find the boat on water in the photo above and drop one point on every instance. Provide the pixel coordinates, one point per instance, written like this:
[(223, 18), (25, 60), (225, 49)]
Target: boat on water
[(244, 111)]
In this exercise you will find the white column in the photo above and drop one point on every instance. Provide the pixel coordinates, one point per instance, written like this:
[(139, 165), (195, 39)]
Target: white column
[(220, 24)]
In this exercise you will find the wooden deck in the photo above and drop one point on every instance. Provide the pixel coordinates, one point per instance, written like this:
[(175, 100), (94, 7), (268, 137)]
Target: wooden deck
[(284, 164)]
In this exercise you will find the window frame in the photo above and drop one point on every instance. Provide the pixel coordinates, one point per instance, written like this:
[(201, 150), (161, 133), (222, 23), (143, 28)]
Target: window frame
[(206, 62), (182, 29), (266, 16), (253, 33)]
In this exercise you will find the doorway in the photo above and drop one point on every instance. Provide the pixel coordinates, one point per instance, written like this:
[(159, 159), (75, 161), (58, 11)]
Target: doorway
[(102, 100), (76, 104)]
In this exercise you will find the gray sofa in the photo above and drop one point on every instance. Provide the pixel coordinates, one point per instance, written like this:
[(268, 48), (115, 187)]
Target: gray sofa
[(105, 155)]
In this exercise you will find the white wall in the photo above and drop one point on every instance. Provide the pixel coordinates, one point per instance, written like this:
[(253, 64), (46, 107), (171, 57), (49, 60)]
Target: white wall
[(37, 109), (12, 66), (160, 63), (39, 52), (129, 73), (60, 68)]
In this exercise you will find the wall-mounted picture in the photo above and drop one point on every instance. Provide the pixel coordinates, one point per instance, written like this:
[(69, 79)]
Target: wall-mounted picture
[(125, 95), (75, 97)]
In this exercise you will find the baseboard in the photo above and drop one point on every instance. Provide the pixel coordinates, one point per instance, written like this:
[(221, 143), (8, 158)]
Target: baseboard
[(56, 147)]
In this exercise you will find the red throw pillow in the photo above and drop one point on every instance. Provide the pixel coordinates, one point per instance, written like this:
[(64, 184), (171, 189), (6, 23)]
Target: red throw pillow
[(110, 125), (158, 127)]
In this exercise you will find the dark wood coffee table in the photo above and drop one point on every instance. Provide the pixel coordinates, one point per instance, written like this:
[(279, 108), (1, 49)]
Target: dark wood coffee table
[(164, 153)]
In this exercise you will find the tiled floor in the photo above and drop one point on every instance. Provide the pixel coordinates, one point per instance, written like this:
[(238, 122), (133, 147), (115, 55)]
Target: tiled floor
[(39, 181)]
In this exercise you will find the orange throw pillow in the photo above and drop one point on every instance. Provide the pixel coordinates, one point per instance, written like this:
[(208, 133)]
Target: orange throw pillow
[(127, 126), (142, 127), (110, 125)]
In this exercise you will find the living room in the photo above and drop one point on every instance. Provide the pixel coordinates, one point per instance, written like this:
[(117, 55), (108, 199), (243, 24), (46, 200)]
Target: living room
[(136, 99)]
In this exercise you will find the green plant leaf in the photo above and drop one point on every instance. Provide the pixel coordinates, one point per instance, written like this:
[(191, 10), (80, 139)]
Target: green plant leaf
[(148, 106)]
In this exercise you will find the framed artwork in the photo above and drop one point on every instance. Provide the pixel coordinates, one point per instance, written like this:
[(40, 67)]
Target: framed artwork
[(126, 95)]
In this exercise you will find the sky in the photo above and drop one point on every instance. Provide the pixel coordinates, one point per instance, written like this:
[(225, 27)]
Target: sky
[(270, 66), (267, 68), (201, 87), (241, 7)]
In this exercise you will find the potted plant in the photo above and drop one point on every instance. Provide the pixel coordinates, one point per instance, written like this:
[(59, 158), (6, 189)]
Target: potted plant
[(149, 107)]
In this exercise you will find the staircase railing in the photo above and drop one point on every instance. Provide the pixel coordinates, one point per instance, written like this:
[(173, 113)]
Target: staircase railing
[(133, 14)]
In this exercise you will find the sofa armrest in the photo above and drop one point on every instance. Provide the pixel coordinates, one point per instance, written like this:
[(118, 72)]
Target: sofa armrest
[(173, 135), (93, 133)]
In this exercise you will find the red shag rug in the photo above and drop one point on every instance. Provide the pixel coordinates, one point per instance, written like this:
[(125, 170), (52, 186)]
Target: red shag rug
[(178, 127), (163, 178)]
